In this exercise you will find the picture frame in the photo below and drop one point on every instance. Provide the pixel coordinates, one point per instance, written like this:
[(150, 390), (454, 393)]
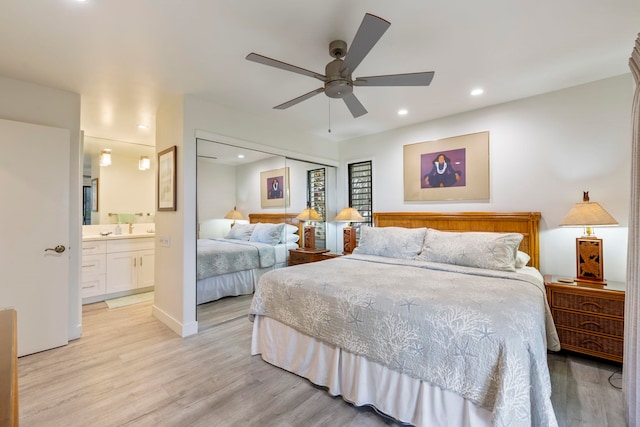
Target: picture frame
[(167, 161), (274, 188), (95, 202), (455, 168)]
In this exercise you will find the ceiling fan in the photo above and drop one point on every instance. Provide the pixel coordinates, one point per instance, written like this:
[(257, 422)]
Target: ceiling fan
[(337, 79)]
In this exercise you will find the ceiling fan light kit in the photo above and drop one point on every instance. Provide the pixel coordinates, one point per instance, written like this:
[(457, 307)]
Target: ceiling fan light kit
[(338, 80)]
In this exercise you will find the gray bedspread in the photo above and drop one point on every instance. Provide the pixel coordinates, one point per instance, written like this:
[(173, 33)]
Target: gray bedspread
[(221, 256), (482, 334)]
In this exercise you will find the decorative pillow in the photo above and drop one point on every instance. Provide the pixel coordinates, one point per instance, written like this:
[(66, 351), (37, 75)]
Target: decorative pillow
[(240, 232), (287, 231), (393, 242), (522, 259), (292, 238), (267, 233), (494, 251)]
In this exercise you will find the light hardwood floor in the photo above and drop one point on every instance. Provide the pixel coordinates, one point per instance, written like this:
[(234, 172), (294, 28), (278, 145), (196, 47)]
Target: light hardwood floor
[(129, 369)]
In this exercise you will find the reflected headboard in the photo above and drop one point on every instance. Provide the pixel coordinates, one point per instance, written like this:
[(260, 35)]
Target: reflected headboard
[(277, 218), (525, 223)]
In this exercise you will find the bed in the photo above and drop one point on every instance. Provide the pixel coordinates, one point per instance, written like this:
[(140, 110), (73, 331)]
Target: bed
[(435, 319), (232, 266)]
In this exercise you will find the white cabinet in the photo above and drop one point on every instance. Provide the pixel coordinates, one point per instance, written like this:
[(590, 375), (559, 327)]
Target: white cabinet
[(130, 264), (112, 266), (93, 268)]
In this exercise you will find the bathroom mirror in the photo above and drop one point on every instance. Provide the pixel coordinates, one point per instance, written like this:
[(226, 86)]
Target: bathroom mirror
[(125, 187)]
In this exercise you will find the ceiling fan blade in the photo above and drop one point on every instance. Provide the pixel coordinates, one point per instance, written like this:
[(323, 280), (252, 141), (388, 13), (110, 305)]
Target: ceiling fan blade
[(409, 79), (301, 98), (356, 108), (283, 66), (370, 31)]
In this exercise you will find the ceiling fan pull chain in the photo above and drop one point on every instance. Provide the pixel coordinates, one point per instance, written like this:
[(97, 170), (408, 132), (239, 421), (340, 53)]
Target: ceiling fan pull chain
[(329, 100)]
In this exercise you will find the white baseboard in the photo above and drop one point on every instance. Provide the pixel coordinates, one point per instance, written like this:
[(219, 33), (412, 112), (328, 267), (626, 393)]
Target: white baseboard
[(184, 330)]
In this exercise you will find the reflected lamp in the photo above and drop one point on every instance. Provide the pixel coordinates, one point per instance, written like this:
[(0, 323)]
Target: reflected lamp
[(589, 259), (349, 215), (105, 157), (234, 215), (309, 232)]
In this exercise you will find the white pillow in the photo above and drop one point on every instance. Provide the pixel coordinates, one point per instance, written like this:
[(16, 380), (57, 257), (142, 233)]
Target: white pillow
[(287, 231), (522, 259), (292, 238), (267, 233), (493, 251), (393, 242), (240, 232)]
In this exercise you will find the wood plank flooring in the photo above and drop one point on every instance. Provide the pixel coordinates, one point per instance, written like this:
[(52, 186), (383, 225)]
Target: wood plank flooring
[(128, 369)]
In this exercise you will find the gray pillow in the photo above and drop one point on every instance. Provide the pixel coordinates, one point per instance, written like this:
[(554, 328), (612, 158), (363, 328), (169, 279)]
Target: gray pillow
[(240, 232), (493, 251), (393, 242), (267, 233)]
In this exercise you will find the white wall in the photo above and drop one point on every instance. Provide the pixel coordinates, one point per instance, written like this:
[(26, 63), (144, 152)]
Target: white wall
[(544, 151), (31, 103)]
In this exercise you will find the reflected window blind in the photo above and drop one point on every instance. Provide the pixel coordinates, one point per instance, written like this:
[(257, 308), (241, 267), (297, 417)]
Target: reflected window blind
[(316, 184), (360, 192)]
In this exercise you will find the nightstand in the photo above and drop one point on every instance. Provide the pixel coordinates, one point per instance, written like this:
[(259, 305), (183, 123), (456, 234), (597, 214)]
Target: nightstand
[(589, 320), (303, 256)]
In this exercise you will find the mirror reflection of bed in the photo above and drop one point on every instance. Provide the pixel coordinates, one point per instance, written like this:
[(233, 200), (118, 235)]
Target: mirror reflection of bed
[(229, 267)]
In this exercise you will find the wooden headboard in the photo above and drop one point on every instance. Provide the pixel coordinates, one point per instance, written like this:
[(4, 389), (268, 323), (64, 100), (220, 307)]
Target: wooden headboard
[(277, 218), (525, 223)]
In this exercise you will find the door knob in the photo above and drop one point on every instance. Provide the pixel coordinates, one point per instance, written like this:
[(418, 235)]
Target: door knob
[(58, 249)]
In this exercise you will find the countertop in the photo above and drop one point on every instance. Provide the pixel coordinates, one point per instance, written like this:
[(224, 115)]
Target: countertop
[(97, 237)]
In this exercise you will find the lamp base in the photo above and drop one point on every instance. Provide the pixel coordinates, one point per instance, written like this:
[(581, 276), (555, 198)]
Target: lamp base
[(309, 235), (589, 261), (348, 240)]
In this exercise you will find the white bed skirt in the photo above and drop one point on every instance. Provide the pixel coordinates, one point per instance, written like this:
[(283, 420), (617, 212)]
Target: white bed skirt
[(361, 381)]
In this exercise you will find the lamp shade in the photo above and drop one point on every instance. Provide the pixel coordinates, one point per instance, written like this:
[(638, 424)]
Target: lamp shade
[(587, 214), (309, 214), (105, 157), (349, 215), (234, 214)]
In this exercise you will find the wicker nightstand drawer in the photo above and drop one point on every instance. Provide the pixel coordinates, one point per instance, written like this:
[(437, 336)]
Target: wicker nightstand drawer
[(597, 345), (599, 305), (603, 325)]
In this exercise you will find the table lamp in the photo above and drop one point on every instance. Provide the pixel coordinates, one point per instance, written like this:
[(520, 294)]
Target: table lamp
[(349, 215), (589, 259), (234, 215), (309, 231)]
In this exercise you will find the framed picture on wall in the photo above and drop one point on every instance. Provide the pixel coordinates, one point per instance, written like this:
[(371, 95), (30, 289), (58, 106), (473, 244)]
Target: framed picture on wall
[(94, 195), (274, 188), (167, 179), (454, 168)]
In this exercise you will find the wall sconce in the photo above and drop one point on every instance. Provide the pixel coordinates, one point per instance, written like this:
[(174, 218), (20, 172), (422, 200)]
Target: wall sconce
[(144, 163), (349, 215), (105, 157), (309, 231), (589, 259), (234, 215)]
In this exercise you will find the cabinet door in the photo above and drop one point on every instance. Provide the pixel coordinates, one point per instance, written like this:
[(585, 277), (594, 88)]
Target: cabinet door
[(145, 267), (120, 272)]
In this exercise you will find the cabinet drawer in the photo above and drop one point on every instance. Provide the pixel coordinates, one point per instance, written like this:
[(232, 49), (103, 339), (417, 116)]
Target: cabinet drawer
[(94, 264), (126, 245), (297, 258), (603, 325), (600, 305), (93, 285), (94, 247), (591, 344)]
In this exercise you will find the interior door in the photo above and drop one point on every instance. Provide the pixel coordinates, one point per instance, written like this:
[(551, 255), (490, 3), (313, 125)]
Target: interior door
[(34, 232)]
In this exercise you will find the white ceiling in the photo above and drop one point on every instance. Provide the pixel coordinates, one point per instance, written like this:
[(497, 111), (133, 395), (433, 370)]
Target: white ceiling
[(123, 56)]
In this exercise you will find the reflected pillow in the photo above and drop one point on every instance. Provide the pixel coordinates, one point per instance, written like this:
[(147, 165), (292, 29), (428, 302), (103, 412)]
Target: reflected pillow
[(287, 231), (493, 251), (393, 242), (291, 238), (267, 233), (240, 232)]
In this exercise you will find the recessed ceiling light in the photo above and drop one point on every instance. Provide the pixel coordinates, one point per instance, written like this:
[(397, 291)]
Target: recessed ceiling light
[(241, 156), (143, 126), (476, 92), (403, 112)]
